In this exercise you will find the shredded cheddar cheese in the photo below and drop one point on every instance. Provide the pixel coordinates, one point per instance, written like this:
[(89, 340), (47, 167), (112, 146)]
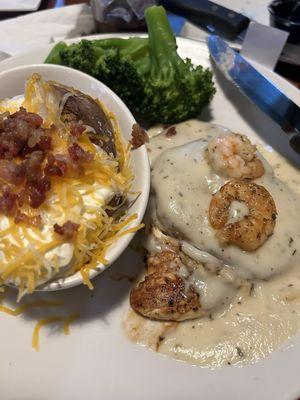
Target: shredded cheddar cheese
[(71, 318), (38, 326), (49, 320), (44, 321), (24, 307), (30, 255)]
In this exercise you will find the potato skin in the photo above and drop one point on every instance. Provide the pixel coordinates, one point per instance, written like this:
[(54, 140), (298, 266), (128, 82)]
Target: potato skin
[(81, 107)]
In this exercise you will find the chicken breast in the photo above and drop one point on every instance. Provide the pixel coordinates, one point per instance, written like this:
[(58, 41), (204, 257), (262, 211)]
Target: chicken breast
[(164, 294), (177, 286)]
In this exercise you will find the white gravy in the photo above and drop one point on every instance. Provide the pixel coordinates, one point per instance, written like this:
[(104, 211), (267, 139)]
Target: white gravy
[(263, 315)]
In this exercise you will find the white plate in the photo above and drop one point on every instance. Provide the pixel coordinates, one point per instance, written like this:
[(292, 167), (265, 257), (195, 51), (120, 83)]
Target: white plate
[(96, 361), (19, 5)]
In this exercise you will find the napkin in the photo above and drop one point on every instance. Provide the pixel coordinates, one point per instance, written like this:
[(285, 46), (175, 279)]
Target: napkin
[(23, 33)]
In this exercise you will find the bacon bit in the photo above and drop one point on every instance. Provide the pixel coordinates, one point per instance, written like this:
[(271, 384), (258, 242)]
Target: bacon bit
[(26, 219), (139, 136), (33, 166), (18, 132), (33, 119), (77, 130), (22, 135), (35, 137), (68, 229), (43, 185), (11, 172), (45, 142), (27, 150), (36, 198), (7, 203), (23, 197), (77, 153), (37, 192), (55, 166), (171, 131)]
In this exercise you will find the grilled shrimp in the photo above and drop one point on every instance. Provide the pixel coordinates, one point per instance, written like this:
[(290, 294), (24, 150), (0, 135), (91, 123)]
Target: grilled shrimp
[(252, 230), (235, 156)]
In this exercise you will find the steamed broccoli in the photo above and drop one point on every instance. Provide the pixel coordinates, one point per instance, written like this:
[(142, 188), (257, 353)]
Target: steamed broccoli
[(147, 73), (175, 90), (113, 61)]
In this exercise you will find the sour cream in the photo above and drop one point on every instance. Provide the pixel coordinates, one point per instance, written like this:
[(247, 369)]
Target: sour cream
[(59, 260)]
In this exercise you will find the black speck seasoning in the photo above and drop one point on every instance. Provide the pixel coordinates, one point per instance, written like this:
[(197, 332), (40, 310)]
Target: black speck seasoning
[(240, 352), (252, 288)]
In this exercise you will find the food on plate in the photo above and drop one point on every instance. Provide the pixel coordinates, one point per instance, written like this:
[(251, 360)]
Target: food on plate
[(162, 295), (251, 230), (65, 177), (80, 107), (49, 320), (40, 304), (171, 288), (222, 241), (147, 73), (183, 185), (235, 156), (138, 136)]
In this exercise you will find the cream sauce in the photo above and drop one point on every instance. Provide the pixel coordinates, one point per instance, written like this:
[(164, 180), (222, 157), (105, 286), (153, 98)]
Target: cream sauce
[(183, 183), (258, 320)]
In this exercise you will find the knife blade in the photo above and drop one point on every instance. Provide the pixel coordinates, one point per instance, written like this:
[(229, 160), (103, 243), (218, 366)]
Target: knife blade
[(221, 21), (257, 88)]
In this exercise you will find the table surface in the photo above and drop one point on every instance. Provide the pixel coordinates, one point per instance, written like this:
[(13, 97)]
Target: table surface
[(292, 73)]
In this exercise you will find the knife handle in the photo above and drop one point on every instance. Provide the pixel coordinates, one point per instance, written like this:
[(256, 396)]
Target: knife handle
[(204, 12)]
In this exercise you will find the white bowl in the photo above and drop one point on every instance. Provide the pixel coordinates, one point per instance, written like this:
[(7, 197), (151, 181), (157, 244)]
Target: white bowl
[(12, 83)]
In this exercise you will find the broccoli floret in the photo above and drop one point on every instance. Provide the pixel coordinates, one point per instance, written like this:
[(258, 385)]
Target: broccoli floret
[(54, 55), (119, 63), (175, 90), (82, 56), (147, 73), (121, 75)]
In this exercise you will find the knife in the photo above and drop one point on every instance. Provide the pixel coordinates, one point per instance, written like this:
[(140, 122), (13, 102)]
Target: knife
[(257, 88), (219, 20)]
